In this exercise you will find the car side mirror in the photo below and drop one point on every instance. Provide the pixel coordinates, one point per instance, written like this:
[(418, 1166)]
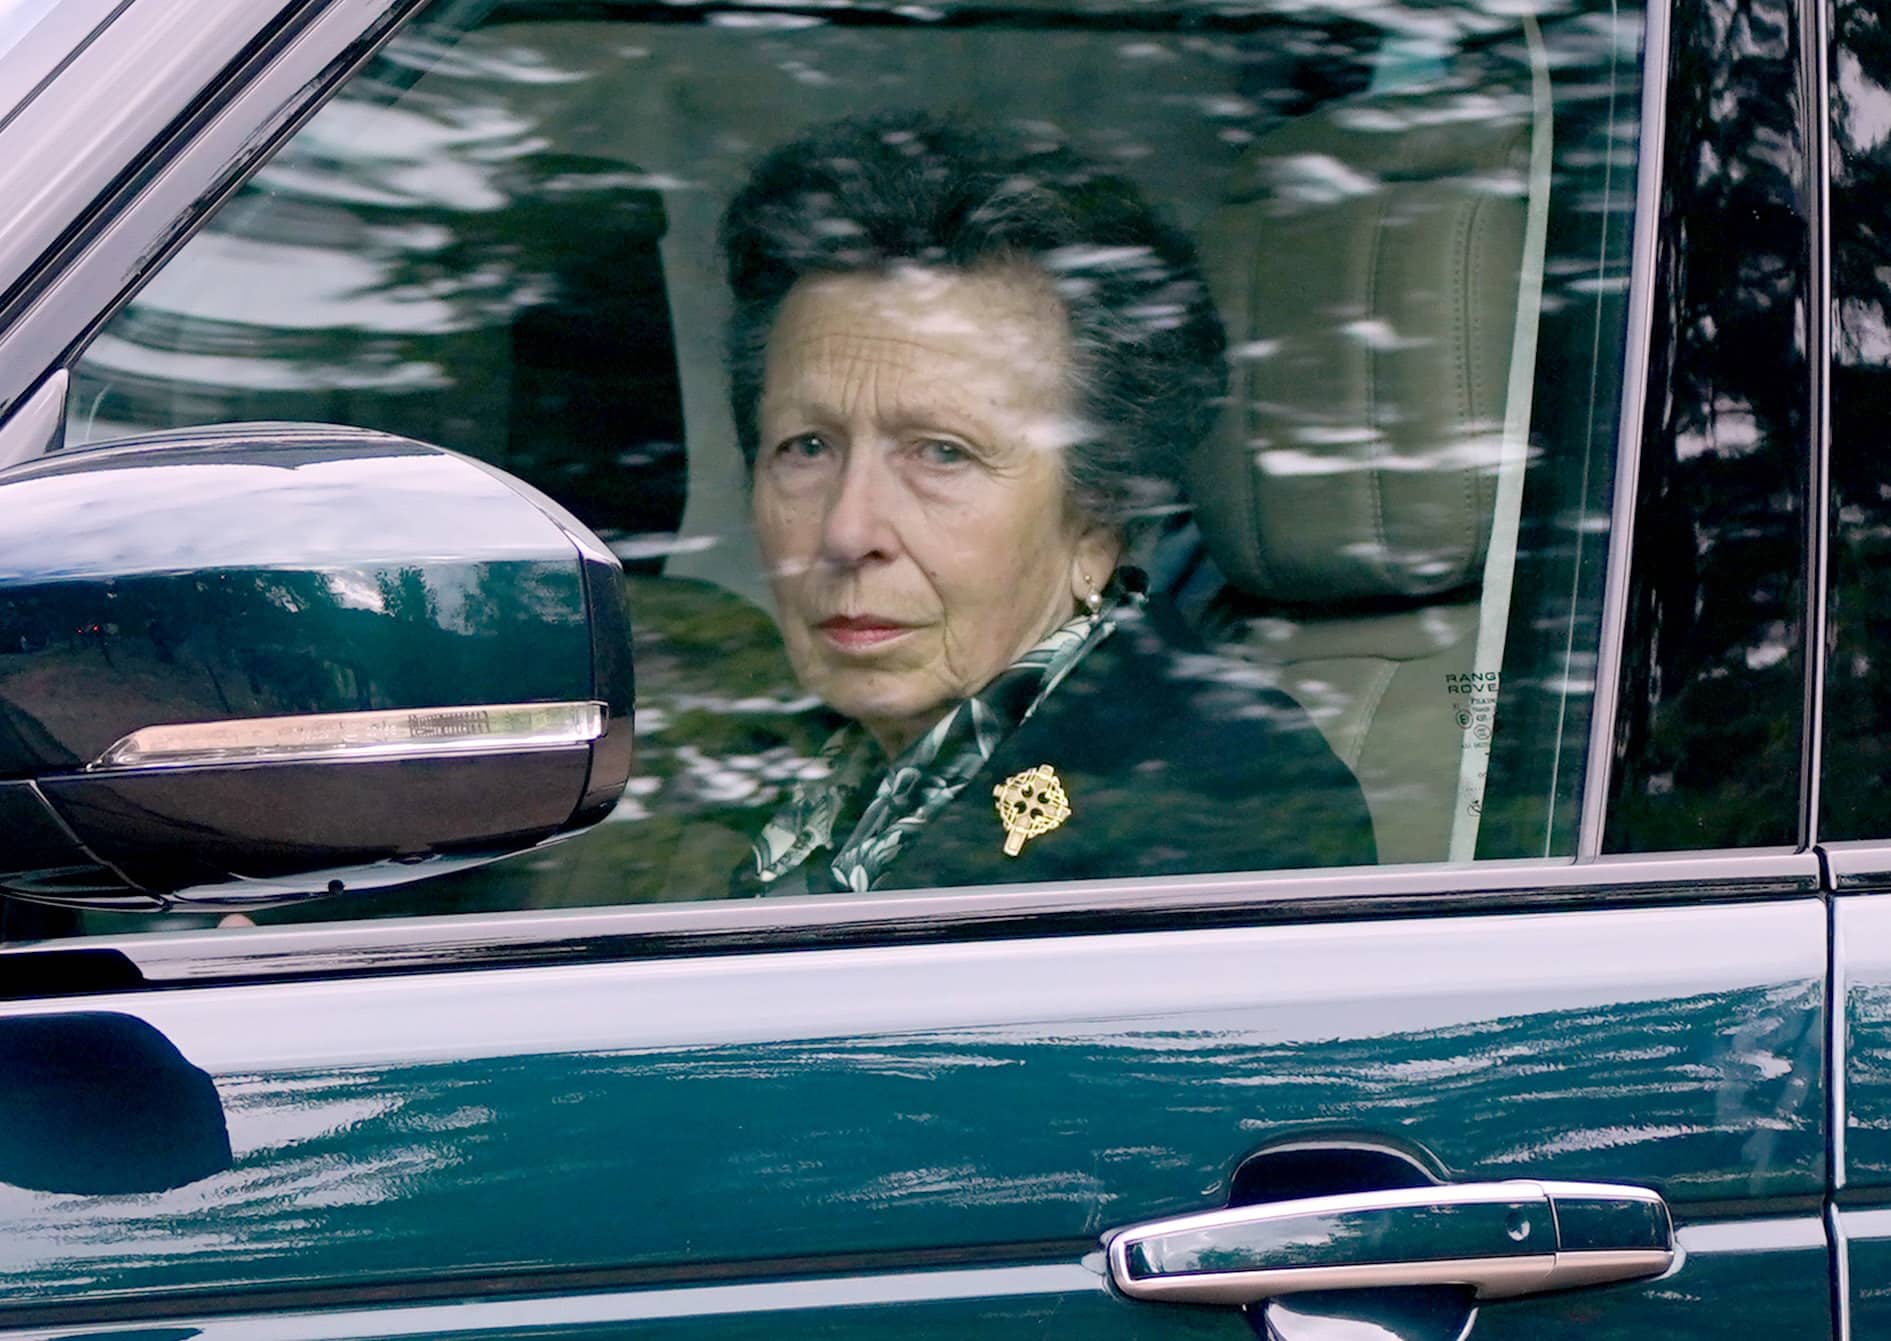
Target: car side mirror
[(249, 664)]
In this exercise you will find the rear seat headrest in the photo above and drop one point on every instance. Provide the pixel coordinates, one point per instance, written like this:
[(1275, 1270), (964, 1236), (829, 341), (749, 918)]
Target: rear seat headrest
[(1367, 269)]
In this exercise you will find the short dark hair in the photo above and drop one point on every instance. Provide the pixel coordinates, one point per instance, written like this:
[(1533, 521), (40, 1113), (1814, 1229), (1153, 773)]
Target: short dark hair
[(871, 193)]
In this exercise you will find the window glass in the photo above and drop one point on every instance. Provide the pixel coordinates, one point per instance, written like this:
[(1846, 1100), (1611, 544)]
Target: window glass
[(1858, 697), (1709, 732), (1365, 621)]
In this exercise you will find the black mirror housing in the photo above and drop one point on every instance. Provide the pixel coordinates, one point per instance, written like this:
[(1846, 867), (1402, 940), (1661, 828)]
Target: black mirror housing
[(247, 664)]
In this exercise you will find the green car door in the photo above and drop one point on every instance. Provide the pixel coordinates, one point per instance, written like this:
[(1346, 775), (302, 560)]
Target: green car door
[(929, 1139), (1853, 821), (1555, 1066)]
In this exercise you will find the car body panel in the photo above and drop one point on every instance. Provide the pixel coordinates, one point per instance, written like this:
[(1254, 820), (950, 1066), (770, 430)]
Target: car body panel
[(1862, 1085), (738, 1129), (1857, 726), (697, 1115), (1768, 1273)]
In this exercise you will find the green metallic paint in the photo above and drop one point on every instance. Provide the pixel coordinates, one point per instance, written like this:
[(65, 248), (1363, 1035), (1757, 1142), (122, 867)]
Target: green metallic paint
[(1862, 965), (1060, 1299), (1867, 1248), (1770, 1285), (1862, 951), (764, 1113)]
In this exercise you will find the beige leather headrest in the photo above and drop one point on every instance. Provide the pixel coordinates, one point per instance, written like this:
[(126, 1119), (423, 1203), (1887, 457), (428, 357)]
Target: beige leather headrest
[(1367, 268)]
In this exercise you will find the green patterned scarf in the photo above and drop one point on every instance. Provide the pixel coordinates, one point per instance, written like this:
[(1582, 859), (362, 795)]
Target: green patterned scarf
[(915, 786)]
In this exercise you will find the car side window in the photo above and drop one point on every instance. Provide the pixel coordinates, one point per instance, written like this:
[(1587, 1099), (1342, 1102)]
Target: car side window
[(1375, 590), (1709, 733), (1857, 745)]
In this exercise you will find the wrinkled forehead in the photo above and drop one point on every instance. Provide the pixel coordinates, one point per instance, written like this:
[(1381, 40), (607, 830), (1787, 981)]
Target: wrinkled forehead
[(1003, 325)]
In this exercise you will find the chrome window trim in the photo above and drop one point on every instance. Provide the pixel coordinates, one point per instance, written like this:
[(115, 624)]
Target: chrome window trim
[(61, 152), (1860, 867), (1628, 444), (1839, 1234), (317, 43), (1837, 1053), (582, 1301), (38, 424), (1815, 38), (486, 940), (59, 37)]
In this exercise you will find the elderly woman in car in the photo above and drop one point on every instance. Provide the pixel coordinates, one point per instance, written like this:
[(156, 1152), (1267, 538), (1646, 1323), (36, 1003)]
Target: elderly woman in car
[(965, 370)]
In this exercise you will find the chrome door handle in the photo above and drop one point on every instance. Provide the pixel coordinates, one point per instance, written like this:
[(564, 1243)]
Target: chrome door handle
[(1501, 1239)]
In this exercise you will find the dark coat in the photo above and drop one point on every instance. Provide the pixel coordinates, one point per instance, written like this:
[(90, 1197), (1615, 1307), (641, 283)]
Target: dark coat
[(1174, 762)]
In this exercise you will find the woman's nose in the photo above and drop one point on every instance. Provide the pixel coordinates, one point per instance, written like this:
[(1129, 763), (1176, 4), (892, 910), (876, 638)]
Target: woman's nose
[(857, 527)]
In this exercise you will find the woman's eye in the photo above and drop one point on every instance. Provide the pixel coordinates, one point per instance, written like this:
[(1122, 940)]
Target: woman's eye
[(938, 452), (802, 447)]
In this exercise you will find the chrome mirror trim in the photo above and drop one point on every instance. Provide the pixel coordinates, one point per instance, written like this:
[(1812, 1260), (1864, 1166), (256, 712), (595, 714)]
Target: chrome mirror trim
[(349, 736)]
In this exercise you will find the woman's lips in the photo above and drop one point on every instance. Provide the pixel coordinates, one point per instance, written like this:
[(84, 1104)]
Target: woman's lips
[(860, 633)]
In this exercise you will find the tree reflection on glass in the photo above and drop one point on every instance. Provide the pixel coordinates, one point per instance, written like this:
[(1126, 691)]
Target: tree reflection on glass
[(1858, 704), (1708, 733)]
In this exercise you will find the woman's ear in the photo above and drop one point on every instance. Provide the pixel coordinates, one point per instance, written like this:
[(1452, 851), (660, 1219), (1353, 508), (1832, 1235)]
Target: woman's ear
[(1093, 560)]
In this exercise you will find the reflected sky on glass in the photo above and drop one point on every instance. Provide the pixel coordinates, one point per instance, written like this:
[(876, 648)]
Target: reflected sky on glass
[(174, 516)]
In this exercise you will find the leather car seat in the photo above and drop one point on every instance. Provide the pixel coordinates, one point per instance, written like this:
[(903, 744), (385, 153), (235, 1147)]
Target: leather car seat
[(1379, 269)]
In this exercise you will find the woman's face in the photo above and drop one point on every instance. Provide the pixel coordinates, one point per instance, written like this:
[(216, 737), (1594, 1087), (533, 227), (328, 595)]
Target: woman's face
[(909, 488)]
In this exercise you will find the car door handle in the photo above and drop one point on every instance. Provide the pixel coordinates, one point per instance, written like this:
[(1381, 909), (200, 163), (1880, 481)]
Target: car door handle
[(1501, 1239)]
